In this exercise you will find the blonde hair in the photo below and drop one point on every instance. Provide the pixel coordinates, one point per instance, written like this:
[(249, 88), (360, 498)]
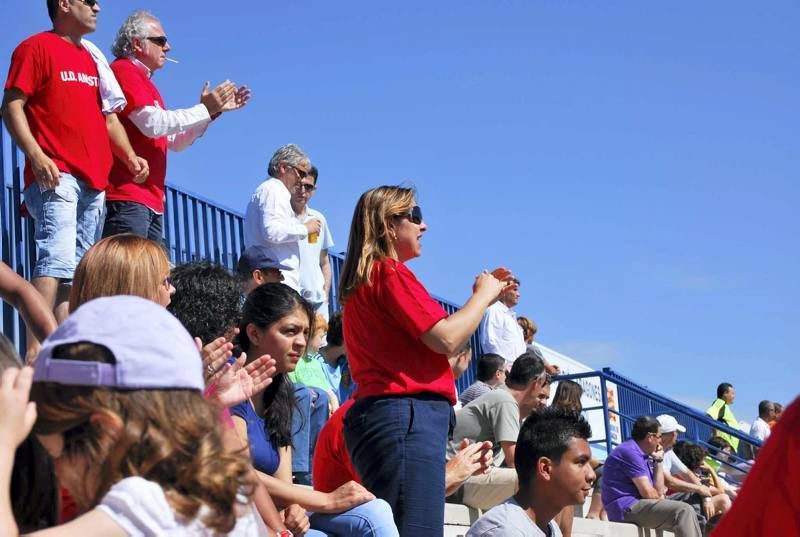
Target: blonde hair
[(529, 328), (123, 264), (320, 324), (170, 437), (369, 234)]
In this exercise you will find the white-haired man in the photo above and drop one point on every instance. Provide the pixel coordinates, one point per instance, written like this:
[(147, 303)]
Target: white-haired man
[(269, 219), (141, 48)]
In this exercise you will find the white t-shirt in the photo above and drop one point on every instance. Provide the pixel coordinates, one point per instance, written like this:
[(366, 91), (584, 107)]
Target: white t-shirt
[(312, 281), (269, 221), (672, 465), (509, 520), (760, 429), (501, 334), (141, 509)]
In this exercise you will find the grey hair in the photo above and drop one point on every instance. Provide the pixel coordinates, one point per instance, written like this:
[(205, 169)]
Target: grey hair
[(291, 154), (134, 27)]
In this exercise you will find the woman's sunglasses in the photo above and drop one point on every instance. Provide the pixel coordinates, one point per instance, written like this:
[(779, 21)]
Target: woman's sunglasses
[(414, 215)]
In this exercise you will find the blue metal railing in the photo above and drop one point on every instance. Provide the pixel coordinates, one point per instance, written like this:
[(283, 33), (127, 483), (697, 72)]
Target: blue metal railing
[(198, 228)]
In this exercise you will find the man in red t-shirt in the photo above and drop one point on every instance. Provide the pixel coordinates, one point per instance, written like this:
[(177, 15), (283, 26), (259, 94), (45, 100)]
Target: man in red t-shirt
[(52, 109), (141, 48)]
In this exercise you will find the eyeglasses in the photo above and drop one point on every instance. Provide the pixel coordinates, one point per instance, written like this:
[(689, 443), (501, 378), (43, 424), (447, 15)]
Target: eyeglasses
[(414, 215), (88, 3), (160, 40), (657, 435), (308, 187), (302, 174)]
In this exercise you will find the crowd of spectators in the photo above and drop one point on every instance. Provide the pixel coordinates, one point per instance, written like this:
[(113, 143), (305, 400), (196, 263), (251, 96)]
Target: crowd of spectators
[(190, 400)]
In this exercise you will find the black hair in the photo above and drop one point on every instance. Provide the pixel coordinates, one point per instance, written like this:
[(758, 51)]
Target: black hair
[(689, 454), (488, 365), (52, 9), (527, 368), (722, 388), (719, 443), (547, 433), (207, 299), (335, 334), (314, 172), (266, 305), (643, 426), (764, 406)]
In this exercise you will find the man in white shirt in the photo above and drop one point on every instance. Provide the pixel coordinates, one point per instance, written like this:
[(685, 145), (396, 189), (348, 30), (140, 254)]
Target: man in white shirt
[(269, 220), (141, 47), (500, 332), (766, 413), (315, 267)]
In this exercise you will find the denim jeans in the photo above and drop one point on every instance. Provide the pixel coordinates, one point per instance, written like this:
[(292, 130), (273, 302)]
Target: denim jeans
[(306, 425), (68, 220), (397, 445), (371, 519), (132, 217)]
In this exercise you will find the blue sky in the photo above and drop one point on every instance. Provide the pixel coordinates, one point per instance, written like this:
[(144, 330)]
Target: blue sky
[(634, 163)]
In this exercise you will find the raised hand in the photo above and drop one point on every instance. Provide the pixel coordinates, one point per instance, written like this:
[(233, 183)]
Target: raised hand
[(17, 414), (216, 99)]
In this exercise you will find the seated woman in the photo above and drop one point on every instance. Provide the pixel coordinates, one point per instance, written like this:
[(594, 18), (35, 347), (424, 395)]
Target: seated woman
[(108, 400), (276, 320)]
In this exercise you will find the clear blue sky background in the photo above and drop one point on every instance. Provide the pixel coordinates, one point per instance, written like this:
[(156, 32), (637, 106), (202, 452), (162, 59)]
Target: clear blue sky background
[(635, 163)]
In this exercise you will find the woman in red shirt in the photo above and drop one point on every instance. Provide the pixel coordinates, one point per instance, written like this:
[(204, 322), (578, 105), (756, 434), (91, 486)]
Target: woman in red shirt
[(398, 339)]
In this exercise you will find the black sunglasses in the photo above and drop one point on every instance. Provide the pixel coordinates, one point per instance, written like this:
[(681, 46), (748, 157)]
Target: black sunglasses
[(160, 40), (414, 215), (89, 3), (301, 173), (308, 187)]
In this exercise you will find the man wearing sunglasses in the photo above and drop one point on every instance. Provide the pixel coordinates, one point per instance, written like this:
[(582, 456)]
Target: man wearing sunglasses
[(141, 48), (269, 219), (52, 109), (315, 267), (500, 332)]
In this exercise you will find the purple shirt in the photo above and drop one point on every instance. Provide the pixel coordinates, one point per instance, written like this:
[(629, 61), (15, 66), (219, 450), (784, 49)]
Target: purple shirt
[(626, 462)]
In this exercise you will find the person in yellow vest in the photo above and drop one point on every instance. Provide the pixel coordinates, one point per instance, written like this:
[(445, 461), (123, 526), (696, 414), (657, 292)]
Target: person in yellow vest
[(720, 410)]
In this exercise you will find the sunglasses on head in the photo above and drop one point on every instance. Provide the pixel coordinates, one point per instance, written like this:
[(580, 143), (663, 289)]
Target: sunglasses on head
[(160, 40), (414, 215)]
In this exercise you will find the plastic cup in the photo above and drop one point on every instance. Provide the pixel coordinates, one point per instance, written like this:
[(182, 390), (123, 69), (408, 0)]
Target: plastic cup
[(312, 238)]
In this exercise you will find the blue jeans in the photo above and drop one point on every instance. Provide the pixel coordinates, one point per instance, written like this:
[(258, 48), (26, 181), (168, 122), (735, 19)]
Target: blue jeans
[(68, 220), (306, 425), (133, 217), (397, 445), (371, 519)]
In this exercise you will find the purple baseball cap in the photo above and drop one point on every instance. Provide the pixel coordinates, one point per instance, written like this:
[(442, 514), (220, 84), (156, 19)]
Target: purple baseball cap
[(152, 349)]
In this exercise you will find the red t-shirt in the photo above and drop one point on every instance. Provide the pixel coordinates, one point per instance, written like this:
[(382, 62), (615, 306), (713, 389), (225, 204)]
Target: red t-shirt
[(63, 109), (769, 501), (139, 91), (383, 323), (332, 467)]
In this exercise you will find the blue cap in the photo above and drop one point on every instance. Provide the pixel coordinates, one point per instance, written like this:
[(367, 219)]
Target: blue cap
[(258, 257)]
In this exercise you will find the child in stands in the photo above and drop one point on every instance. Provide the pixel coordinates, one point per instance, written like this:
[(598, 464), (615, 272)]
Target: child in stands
[(118, 392)]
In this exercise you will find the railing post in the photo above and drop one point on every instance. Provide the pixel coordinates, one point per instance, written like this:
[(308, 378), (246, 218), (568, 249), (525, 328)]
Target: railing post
[(606, 420)]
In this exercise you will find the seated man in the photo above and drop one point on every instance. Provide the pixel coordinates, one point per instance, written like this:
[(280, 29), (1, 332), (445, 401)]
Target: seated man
[(633, 484), (730, 470), (553, 464), (682, 483), (491, 374), (495, 417), (257, 266)]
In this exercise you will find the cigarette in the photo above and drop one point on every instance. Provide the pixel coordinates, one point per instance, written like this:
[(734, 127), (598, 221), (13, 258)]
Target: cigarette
[(171, 60)]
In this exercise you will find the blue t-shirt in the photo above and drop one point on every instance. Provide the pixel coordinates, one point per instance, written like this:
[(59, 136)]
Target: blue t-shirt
[(263, 453), (625, 463)]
